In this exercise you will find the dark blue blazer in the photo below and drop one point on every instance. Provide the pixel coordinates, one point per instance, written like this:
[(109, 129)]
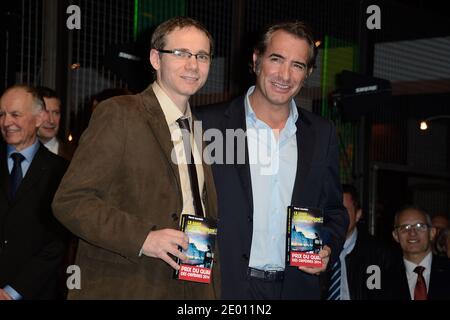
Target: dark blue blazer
[(317, 184), (32, 241)]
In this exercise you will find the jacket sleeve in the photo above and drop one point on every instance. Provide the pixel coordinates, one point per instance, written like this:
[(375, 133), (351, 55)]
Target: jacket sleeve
[(335, 215), (81, 202)]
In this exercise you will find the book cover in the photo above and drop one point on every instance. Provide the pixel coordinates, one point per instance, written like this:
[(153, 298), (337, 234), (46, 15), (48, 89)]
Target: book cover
[(202, 234), (304, 226)]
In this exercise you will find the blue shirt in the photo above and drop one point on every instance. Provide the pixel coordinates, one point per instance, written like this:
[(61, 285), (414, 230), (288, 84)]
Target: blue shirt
[(28, 153), (348, 247), (273, 166)]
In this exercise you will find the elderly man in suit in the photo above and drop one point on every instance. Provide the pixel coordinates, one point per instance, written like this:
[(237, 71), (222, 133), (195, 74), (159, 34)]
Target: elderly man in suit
[(302, 170), (420, 275), (31, 240), (48, 131), (128, 182)]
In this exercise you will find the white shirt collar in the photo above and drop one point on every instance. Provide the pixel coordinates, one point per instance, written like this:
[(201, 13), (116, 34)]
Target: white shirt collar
[(426, 263), (411, 276), (52, 145)]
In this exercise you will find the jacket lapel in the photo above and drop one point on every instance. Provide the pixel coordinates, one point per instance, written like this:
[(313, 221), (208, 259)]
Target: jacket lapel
[(437, 279), (34, 173), (154, 115), (235, 119), (306, 137)]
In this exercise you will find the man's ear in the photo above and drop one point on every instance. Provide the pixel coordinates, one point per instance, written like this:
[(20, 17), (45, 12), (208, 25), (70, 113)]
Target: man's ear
[(395, 235), (255, 61), (432, 233), (358, 215), (155, 59)]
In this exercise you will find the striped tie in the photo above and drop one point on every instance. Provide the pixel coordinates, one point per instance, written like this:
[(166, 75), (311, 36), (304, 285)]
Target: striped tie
[(334, 292)]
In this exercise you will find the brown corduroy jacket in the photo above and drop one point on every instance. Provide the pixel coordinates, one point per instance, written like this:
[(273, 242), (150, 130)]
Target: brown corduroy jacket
[(120, 185)]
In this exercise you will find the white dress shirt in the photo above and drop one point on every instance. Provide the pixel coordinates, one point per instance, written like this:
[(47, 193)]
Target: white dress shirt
[(412, 276), (52, 145), (172, 113)]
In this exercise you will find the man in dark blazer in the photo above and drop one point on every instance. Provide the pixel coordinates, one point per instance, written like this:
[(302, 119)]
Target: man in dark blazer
[(124, 191), (31, 240), (253, 201), (418, 275), (48, 131), (362, 259)]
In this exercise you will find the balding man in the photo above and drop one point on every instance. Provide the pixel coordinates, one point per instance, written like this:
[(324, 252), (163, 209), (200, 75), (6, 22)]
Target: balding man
[(31, 240), (420, 275)]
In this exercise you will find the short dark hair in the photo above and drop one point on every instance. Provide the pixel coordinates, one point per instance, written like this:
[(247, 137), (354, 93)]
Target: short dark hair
[(46, 92), (353, 192), (161, 32), (299, 29)]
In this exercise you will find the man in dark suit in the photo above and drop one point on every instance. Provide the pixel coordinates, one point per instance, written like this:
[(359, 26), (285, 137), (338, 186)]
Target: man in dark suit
[(254, 190), (31, 240), (129, 180), (48, 131), (354, 277), (420, 275)]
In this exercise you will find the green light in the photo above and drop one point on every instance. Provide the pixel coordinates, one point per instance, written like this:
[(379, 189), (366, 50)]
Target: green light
[(136, 19)]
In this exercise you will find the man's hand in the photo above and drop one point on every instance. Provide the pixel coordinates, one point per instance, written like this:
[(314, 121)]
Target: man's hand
[(162, 242), (325, 255), (4, 295)]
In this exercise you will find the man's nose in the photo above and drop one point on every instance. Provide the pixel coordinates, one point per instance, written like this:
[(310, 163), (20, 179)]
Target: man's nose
[(285, 71), (192, 62), (51, 117)]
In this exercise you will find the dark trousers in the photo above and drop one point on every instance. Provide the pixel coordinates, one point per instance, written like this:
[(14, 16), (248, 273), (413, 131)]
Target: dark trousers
[(265, 290)]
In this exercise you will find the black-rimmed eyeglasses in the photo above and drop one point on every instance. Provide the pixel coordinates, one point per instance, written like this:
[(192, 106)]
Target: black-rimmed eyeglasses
[(186, 55)]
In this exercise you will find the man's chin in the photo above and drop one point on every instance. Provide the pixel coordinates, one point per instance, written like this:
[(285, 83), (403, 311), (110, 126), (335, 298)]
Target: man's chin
[(47, 134)]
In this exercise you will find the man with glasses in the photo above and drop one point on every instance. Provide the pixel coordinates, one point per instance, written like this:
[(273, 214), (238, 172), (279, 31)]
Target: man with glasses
[(421, 275), (130, 181)]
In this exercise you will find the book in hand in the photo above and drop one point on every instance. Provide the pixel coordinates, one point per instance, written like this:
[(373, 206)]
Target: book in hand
[(202, 234), (304, 227)]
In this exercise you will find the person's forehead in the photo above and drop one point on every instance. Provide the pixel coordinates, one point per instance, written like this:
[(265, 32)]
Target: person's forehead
[(52, 103), (279, 38), (16, 98), (411, 216), (187, 36), (440, 220)]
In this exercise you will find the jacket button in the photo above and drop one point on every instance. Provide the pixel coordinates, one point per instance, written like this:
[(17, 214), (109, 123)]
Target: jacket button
[(6, 242), (245, 257), (250, 219)]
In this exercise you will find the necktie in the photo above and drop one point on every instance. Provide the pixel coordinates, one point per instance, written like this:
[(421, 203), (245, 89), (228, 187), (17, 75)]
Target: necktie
[(420, 291), (184, 124), (16, 172), (334, 292)]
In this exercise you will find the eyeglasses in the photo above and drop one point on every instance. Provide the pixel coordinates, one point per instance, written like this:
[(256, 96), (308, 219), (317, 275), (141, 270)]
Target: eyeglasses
[(186, 55), (418, 227)]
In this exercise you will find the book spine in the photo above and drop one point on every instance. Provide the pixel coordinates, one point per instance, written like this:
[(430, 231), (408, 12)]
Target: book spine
[(288, 234)]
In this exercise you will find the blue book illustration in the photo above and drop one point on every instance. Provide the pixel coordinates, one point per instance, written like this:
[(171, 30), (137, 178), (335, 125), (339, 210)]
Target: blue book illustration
[(304, 227)]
